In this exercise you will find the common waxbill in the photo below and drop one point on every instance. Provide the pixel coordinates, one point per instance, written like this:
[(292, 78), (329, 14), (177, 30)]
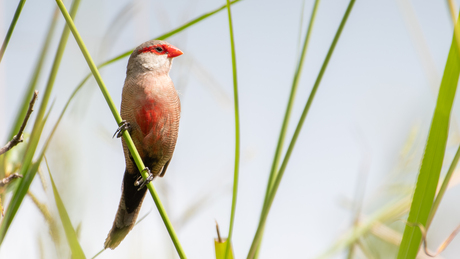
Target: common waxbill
[(150, 109)]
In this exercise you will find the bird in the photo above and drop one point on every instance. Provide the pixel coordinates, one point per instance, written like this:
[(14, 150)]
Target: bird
[(150, 109)]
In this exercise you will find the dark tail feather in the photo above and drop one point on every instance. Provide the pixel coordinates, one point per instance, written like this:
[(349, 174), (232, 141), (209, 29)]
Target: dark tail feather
[(128, 210)]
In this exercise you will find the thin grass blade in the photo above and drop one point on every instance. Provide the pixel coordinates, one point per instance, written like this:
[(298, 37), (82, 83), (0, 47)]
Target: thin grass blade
[(11, 28), (430, 169), (70, 233), (237, 134)]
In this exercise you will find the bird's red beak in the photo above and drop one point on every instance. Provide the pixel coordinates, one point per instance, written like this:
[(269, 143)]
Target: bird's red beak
[(173, 51)]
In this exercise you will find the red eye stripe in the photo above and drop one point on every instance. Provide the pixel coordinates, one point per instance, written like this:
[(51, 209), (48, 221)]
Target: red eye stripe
[(153, 49)]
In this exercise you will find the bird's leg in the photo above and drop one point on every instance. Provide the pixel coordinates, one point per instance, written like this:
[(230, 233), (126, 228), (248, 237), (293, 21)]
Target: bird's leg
[(140, 181), (124, 125)]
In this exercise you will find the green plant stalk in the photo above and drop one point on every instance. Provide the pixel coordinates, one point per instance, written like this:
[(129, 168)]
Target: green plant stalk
[(277, 181), (430, 169), (28, 175), (11, 28), (287, 115), (443, 188), (70, 233), (237, 134), (126, 136)]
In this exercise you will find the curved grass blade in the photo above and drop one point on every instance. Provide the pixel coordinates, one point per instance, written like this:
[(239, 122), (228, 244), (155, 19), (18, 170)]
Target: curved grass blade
[(126, 135), (11, 28), (430, 169), (237, 137), (28, 175), (70, 233), (279, 175)]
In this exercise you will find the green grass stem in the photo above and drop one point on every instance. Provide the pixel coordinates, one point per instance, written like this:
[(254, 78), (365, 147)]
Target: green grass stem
[(425, 190), (279, 176), (126, 135), (287, 115), (11, 28), (237, 135), (28, 175)]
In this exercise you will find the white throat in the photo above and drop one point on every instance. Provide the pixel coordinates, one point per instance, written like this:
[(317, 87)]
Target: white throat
[(153, 62)]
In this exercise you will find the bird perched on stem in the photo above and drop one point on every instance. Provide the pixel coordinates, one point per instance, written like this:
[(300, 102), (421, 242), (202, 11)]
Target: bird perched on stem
[(150, 109)]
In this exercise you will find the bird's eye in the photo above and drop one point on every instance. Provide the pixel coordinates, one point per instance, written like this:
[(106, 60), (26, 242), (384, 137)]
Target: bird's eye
[(159, 49)]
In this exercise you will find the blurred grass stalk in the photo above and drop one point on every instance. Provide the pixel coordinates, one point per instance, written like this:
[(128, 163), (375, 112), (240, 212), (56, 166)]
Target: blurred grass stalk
[(276, 177), (27, 171), (422, 208), (228, 250), (126, 135), (11, 28)]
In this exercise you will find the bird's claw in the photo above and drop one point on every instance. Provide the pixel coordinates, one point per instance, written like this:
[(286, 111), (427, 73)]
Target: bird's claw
[(141, 182), (124, 125)]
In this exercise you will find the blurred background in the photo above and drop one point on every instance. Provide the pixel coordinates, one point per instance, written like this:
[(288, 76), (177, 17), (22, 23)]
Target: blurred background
[(358, 153)]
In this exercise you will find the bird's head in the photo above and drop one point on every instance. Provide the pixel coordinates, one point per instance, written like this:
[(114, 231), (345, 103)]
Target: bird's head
[(154, 55)]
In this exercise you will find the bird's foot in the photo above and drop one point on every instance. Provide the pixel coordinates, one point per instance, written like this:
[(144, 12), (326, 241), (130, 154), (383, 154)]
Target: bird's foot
[(124, 125), (141, 182)]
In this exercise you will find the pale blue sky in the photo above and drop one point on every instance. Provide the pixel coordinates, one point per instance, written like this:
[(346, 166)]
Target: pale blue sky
[(375, 91)]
